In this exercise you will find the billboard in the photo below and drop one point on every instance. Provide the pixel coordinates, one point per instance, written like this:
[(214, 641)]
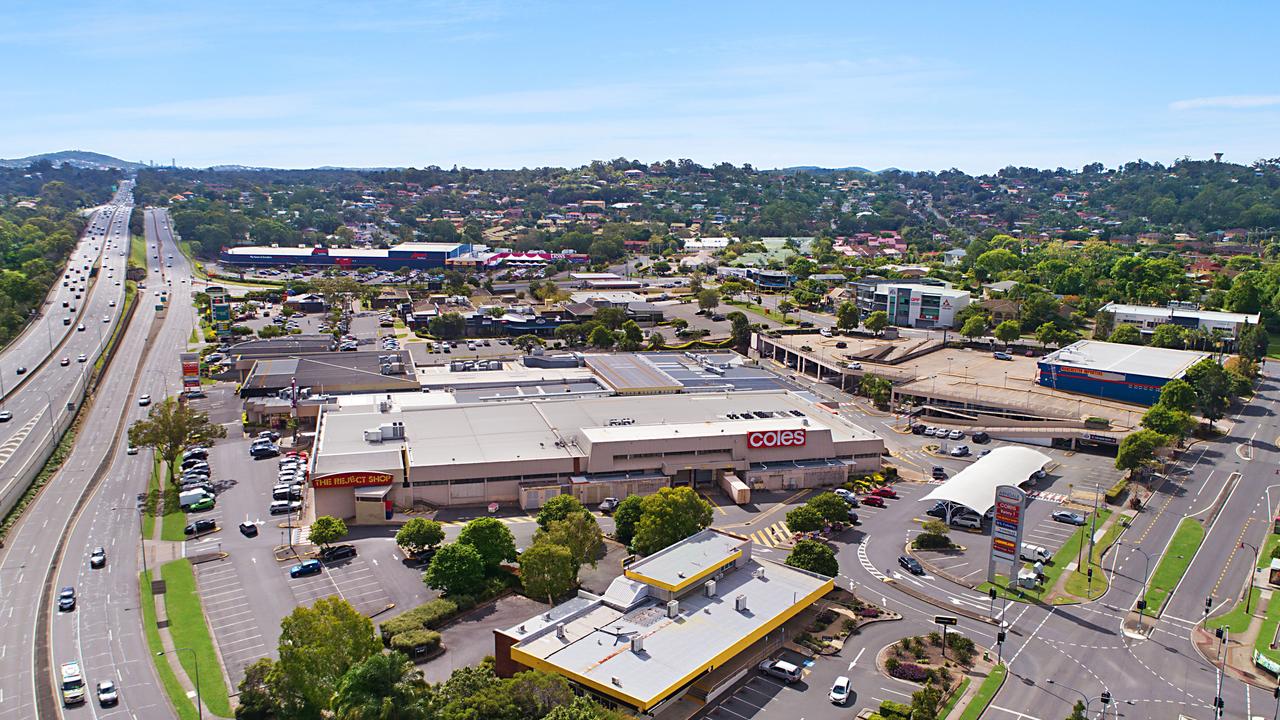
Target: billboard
[(190, 363), (775, 438), (351, 479), (1006, 526)]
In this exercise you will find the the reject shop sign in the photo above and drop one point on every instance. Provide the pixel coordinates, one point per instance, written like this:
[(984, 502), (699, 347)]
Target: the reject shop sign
[(775, 438)]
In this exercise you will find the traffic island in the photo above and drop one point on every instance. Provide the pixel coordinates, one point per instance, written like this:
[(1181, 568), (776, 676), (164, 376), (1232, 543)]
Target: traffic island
[(960, 671)]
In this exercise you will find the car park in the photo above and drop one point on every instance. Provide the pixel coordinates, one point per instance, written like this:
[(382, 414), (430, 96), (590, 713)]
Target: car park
[(108, 696), (98, 558), (67, 599), (337, 552), (304, 568), (1068, 517), (781, 669), (839, 694), (911, 564)]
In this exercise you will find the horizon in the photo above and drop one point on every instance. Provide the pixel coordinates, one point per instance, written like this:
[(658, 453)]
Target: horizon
[(499, 85)]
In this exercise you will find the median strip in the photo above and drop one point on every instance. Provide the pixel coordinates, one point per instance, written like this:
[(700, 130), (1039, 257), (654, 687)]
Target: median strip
[(188, 628), (172, 686), (1174, 563)]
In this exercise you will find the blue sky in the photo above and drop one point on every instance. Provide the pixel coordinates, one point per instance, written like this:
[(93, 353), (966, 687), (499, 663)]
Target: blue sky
[(920, 85)]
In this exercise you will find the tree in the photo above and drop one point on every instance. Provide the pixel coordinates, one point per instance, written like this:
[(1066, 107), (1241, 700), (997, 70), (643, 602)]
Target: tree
[(491, 538), (657, 341), (382, 687), (927, 701), (527, 342), (579, 709), (848, 315), (536, 693), (935, 527), (257, 700), (739, 330), (708, 299), (1126, 334), (625, 517), (1103, 323), (785, 307), (558, 508), (1212, 385), (1008, 331), (1168, 421), (1078, 711), (877, 321), (456, 569), (996, 261), (805, 519), (171, 427), (975, 327), (815, 557), (419, 534), (447, 326), (610, 317), (579, 532), (830, 506), (318, 645), (1178, 395), (1243, 297), (602, 337), (730, 288), (1139, 449), (547, 570), (632, 335), (878, 389), (1169, 335), (1047, 334), (669, 516), (326, 530)]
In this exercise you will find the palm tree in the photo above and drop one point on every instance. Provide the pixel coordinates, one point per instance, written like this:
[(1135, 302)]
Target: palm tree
[(383, 687)]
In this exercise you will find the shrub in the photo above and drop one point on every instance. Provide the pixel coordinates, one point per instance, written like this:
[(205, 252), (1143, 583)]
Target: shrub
[(963, 648), (931, 541), (869, 611), (910, 672), (416, 643), (945, 676), (849, 625), (935, 639), (427, 616), (892, 663), (1115, 491), (894, 710)]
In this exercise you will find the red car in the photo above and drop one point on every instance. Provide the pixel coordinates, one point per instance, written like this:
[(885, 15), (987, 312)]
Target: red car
[(873, 501), (885, 492)]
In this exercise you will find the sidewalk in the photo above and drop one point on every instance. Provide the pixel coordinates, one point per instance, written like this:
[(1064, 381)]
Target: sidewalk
[(1240, 647)]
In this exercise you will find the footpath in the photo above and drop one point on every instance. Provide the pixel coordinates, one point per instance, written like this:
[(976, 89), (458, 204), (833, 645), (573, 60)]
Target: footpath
[(1239, 654)]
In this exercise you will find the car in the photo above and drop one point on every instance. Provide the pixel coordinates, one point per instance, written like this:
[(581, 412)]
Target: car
[(271, 435), (853, 517), (955, 435), (781, 669), (885, 492), (198, 453), (200, 526), (939, 510), (64, 361), (1068, 517), (205, 504), (67, 599), (144, 400), (98, 558), (980, 438), (111, 304), (108, 696), (106, 319), (337, 552), (873, 501), (284, 507), (985, 453), (608, 505), (839, 694), (960, 451), (259, 452), (911, 564), (80, 328), (304, 568), (22, 370), (1001, 356), (930, 431), (918, 429), (82, 358), (846, 496), (249, 529)]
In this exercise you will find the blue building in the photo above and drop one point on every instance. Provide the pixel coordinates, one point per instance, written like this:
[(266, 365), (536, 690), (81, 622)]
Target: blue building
[(413, 255), (1126, 373)]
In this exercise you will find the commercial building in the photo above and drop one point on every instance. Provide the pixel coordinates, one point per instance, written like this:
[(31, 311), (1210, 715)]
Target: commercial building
[(413, 255), (1185, 315), (525, 451), (1128, 373), (691, 619), (916, 305)]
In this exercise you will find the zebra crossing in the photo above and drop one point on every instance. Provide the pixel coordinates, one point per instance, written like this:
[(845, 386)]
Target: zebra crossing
[(774, 535)]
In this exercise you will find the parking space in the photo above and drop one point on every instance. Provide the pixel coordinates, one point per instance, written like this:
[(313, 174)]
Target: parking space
[(230, 614), (351, 579)]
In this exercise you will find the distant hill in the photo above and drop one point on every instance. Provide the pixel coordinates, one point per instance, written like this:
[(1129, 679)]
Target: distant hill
[(74, 158), (816, 170)]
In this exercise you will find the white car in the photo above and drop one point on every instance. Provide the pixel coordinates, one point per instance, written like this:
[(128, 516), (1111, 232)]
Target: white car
[(144, 400), (839, 694)]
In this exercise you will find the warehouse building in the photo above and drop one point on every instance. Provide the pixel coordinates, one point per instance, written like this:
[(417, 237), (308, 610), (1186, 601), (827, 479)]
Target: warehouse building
[(1128, 373), (1186, 315), (413, 255), (689, 620), (526, 451)]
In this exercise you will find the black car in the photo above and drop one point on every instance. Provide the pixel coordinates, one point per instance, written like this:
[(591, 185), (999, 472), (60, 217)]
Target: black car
[(917, 429), (337, 552), (980, 438), (249, 529), (939, 511), (98, 558), (911, 564), (196, 453), (67, 599), (853, 517), (259, 452), (200, 526)]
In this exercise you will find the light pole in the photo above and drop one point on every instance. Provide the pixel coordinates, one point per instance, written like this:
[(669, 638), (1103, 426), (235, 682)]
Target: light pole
[(1253, 570), (1146, 569), (1104, 698), (196, 660)]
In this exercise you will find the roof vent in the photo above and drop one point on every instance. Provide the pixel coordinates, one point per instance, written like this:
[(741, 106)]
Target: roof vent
[(710, 588), (373, 435), (740, 603), (637, 644), (673, 608), (615, 681), (560, 631)]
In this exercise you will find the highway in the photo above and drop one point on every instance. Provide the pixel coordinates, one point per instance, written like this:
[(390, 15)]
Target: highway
[(104, 630)]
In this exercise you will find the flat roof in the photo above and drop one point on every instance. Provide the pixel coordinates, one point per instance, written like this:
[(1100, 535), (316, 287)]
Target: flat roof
[(925, 288), (426, 247), (631, 373), (1120, 358), (1166, 312), (679, 565), (332, 372)]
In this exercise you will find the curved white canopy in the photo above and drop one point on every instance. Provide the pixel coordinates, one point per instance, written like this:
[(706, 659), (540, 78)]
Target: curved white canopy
[(975, 486)]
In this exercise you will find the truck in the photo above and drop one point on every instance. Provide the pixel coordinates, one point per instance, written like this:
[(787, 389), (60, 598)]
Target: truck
[(72, 684), (187, 498)]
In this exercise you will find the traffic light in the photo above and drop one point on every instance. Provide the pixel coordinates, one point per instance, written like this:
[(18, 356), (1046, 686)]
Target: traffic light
[(1106, 698), (1000, 639)]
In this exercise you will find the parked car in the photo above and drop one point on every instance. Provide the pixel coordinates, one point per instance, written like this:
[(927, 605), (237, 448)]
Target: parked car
[(955, 435), (980, 438), (608, 505), (304, 568), (930, 431), (873, 501), (1068, 517), (200, 526), (781, 669), (853, 517), (1001, 356), (847, 496), (259, 452), (284, 507), (337, 552), (911, 564), (918, 429), (885, 492), (205, 504), (960, 451), (939, 510)]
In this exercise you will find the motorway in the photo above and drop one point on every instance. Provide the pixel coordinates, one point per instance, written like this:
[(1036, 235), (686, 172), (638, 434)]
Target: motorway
[(104, 630)]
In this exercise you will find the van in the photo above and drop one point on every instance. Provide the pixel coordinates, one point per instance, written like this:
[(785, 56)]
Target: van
[(1034, 553), (72, 684), (781, 669), (967, 520), (188, 498)]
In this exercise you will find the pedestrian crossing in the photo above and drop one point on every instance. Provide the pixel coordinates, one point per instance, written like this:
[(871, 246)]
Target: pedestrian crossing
[(775, 535)]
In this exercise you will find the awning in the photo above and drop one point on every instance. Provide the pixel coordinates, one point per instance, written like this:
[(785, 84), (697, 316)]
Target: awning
[(975, 486)]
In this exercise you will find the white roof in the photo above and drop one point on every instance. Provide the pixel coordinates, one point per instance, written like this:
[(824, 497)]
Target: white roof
[(975, 486), (1167, 313), (1125, 359)]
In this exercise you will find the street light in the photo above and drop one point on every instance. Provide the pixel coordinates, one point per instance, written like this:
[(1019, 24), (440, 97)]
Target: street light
[(196, 660), (1253, 570), (1146, 568), (1104, 698)]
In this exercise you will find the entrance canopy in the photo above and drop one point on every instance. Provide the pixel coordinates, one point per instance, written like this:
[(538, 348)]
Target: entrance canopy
[(975, 486)]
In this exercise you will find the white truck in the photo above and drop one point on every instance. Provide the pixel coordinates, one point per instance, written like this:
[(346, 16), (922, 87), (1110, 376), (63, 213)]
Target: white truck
[(72, 684), (188, 498)]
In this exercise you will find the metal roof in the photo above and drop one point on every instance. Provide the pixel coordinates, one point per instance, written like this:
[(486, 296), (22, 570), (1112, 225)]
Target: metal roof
[(1129, 359), (632, 373)]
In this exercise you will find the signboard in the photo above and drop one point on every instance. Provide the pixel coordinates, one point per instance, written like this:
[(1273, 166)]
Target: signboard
[(190, 363), (775, 438), (1006, 526), (351, 479), (222, 312), (1266, 663)]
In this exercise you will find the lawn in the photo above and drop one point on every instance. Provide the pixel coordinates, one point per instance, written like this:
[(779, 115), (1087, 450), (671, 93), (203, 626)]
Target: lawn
[(1268, 631), (1078, 582), (138, 251), (189, 630), (771, 314), (955, 698), (177, 695), (152, 503), (986, 693), (1236, 621), (174, 520), (1065, 556), (130, 294), (1173, 565), (1268, 545)]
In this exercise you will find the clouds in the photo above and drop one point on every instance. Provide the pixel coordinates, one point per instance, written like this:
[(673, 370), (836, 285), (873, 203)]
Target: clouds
[(1226, 102)]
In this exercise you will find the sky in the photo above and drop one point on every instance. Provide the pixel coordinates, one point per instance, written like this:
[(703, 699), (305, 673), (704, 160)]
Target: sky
[(492, 84)]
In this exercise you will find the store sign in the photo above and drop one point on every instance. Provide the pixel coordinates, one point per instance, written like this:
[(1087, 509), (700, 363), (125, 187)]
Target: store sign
[(351, 479), (1006, 527), (775, 438), (1266, 663), (190, 363)]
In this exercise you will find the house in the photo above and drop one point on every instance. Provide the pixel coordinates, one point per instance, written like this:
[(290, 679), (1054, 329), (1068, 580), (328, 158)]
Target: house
[(954, 257), (1001, 309), (391, 298)]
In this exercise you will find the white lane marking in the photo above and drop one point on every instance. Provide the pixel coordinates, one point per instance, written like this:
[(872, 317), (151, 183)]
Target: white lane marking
[(856, 657)]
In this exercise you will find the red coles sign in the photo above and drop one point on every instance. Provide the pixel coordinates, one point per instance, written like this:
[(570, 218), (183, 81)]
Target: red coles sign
[(775, 438)]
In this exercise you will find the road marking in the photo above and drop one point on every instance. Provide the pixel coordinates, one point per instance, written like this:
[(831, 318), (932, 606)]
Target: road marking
[(856, 657), (1023, 716)]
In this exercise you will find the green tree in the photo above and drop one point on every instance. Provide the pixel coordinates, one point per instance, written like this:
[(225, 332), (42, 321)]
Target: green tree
[(848, 316), (579, 709), (1243, 297), (877, 321), (739, 330), (419, 534), (171, 427), (491, 538), (1138, 450), (927, 701), (1168, 421), (447, 326), (708, 299), (805, 518), (1047, 334), (1169, 335), (632, 335), (456, 569), (730, 288), (975, 327), (994, 262), (1126, 334), (327, 529), (1008, 331), (602, 337), (382, 687), (878, 389), (830, 506), (1103, 323), (558, 508), (669, 516), (257, 698), (537, 693), (815, 557), (317, 646), (579, 532), (610, 317), (1178, 395), (1212, 385), (547, 570), (785, 307), (527, 342), (625, 518), (657, 341), (1078, 711)]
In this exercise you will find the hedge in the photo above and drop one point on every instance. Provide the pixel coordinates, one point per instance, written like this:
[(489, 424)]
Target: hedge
[(427, 616), (1115, 491), (416, 642), (891, 709)]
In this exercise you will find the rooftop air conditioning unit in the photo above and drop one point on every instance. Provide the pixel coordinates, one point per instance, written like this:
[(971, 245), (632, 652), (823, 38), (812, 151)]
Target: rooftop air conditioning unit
[(673, 608), (710, 588), (373, 435), (637, 644), (740, 603)]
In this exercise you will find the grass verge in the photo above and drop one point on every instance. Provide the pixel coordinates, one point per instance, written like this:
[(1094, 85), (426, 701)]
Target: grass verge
[(1065, 556), (138, 251), (759, 310), (130, 295), (955, 698), (174, 520), (1236, 621), (1268, 632), (189, 629), (177, 696), (151, 506), (1077, 582), (1173, 565), (986, 693)]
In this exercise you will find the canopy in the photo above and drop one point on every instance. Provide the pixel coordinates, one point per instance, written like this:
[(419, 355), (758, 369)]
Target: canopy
[(975, 486)]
